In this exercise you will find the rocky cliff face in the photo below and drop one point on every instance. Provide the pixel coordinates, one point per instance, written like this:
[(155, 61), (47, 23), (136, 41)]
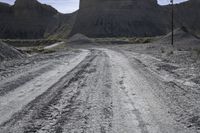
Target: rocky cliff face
[(100, 18), (120, 18), (61, 26), (28, 19)]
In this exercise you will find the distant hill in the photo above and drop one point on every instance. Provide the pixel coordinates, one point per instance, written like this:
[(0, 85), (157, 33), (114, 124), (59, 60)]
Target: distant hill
[(97, 18), (31, 19)]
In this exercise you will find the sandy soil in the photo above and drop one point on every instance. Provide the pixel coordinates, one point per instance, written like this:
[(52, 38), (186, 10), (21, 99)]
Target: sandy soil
[(101, 89)]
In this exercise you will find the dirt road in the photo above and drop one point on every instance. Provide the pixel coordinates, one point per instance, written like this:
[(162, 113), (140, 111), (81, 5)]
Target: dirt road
[(89, 91)]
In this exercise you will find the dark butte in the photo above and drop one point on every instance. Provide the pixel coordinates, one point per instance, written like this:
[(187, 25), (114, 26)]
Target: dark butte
[(104, 18)]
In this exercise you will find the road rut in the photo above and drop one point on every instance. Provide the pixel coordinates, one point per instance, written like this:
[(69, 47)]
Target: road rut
[(98, 91)]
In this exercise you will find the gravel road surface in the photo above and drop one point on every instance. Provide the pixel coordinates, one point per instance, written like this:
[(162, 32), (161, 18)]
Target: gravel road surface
[(95, 90)]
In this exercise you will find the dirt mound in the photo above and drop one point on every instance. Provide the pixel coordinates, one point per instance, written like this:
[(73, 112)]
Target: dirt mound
[(183, 38), (80, 38), (8, 52)]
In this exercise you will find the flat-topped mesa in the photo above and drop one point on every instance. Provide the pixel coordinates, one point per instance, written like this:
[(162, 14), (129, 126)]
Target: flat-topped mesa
[(100, 18), (22, 3), (114, 4)]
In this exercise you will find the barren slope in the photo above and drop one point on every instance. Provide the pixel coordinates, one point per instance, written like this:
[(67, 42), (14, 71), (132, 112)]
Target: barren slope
[(8, 52)]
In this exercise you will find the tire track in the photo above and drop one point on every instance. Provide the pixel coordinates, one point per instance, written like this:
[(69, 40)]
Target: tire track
[(10, 86), (27, 71), (17, 99), (14, 67), (143, 112), (103, 93), (70, 99)]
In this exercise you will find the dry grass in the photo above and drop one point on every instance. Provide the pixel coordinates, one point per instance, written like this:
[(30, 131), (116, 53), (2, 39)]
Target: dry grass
[(125, 40), (41, 49), (30, 42), (197, 53)]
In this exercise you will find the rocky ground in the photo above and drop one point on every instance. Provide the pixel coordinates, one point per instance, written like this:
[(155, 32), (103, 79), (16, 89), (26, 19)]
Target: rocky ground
[(122, 88), (179, 72)]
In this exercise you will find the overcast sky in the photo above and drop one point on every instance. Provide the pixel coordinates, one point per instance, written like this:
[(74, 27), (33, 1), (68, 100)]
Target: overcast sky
[(68, 6)]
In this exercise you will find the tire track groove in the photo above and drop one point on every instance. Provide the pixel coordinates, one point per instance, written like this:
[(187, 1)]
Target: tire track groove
[(34, 109)]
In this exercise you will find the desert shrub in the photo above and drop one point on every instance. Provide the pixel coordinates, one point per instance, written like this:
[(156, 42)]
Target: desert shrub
[(179, 49), (48, 51), (140, 40), (170, 53), (162, 50), (197, 52), (146, 40)]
